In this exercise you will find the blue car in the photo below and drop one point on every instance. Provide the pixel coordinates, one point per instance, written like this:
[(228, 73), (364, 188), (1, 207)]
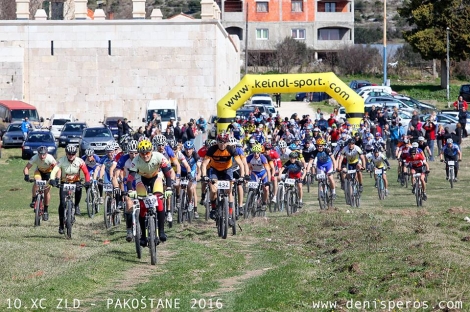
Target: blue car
[(38, 138)]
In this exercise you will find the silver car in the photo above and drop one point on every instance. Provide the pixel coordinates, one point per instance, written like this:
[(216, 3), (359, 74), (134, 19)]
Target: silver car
[(96, 138), (13, 136)]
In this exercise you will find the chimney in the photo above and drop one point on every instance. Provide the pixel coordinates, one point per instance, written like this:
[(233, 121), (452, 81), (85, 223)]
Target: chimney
[(40, 15), (156, 14), (138, 9), (22, 9), (207, 9), (81, 9), (99, 15)]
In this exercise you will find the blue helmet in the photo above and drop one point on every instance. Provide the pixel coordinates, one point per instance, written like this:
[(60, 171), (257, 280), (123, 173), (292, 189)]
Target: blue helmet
[(293, 147), (188, 145)]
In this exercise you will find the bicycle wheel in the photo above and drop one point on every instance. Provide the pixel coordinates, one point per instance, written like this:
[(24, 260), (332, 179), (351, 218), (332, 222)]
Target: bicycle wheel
[(90, 202), (116, 215), (225, 219), (407, 179), (330, 199), (308, 181), (152, 240), (346, 192), (219, 217), (68, 218), (295, 201), (37, 211), (280, 202), (380, 188), (207, 205), (357, 197), (107, 212), (321, 195), (138, 235), (352, 193), (234, 221), (418, 192), (290, 204), (249, 208), (451, 177), (182, 207)]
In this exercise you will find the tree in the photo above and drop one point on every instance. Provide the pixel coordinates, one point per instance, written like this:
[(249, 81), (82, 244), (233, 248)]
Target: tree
[(289, 53), (7, 10), (428, 37)]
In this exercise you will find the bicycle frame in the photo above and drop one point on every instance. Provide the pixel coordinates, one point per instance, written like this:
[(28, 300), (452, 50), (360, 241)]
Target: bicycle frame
[(418, 189), (325, 199), (450, 164), (151, 203), (352, 188), (222, 213), (255, 193), (40, 197), (380, 183), (292, 195)]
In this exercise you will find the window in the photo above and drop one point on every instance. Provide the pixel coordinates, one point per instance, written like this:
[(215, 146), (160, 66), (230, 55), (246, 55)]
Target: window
[(328, 34), (297, 6), (262, 7), (262, 34), (330, 7), (298, 34)]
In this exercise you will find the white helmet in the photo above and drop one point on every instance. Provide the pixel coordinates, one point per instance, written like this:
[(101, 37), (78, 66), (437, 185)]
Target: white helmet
[(282, 144), (159, 139)]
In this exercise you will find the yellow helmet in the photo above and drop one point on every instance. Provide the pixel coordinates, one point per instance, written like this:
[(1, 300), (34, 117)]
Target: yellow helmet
[(256, 148), (145, 146), (321, 141)]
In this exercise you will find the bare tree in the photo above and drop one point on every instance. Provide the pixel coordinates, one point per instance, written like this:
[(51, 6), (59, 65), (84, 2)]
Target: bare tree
[(290, 53), (7, 9)]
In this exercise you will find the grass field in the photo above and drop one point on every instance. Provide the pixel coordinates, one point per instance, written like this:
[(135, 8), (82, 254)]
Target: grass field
[(384, 255)]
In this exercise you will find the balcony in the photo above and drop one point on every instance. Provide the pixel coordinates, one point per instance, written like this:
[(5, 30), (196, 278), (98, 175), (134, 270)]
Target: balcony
[(331, 45), (231, 6), (340, 17)]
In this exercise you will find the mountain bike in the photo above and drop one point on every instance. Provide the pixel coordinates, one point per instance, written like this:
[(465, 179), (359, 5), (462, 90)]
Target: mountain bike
[(223, 219), (418, 187), (292, 196), (39, 203), (281, 195), (207, 202), (235, 197), (451, 167), (351, 189), (111, 214), (254, 200), (308, 180), (136, 231), (151, 228), (325, 195), (184, 214), (93, 199), (380, 183), (69, 218)]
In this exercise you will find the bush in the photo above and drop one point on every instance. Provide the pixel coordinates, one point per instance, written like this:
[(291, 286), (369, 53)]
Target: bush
[(359, 59)]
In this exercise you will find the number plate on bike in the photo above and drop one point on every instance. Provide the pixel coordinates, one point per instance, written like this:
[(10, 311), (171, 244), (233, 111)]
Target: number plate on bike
[(184, 182), (252, 185), (69, 187), (41, 183), (290, 181), (351, 171), (451, 163), (108, 187), (150, 201), (320, 176), (378, 171), (223, 185), (417, 175)]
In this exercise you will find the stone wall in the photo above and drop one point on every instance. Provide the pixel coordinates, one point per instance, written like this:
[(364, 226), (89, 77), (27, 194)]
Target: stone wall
[(114, 67)]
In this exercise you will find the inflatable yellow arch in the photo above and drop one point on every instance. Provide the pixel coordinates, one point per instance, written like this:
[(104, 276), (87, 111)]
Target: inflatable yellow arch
[(324, 82)]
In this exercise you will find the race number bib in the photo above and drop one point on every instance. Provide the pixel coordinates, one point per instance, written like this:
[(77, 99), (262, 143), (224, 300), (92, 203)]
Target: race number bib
[(184, 182), (352, 171), (150, 201), (451, 163), (378, 171), (321, 176), (41, 183), (108, 187), (252, 185), (223, 185), (69, 187), (290, 181), (416, 175)]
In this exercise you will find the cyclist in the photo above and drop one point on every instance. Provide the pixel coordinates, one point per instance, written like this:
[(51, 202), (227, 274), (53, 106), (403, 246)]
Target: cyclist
[(122, 170), (193, 174), (275, 163), (283, 151), (451, 151), (418, 164), (295, 170), (93, 163), (68, 170), (402, 153), (202, 153), (355, 158), (326, 162), (380, 160), (424, 146), (307, 153), (220, 159), (148, 169), (106, 173), (44, 162), (236, 173), (259, 170)]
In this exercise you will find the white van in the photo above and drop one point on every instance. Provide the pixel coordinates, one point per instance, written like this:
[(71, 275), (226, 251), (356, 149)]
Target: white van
[(364, 92), (165, 109), (57, 122)]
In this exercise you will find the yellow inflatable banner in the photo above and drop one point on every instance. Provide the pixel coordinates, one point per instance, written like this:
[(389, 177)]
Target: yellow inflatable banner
[(289, 83)]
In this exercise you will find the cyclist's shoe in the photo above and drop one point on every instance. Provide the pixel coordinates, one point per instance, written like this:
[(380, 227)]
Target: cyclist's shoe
[(203, 197), (333, 196), (375, 185), (45, 216), (212, 214), (455, 179), (169, 217), (178, 202), (386, 192), (230, 222), (413, 189), (447, 178), (263, 207), (425, 197), (273, 200), (301, 204), (101, 201), (61, 230), (162, 236), (129, 235), (143, 242), (119, 206), (32, 204), (77, 210), (361, 188), (190, 207), (196, 215), (240, 210)]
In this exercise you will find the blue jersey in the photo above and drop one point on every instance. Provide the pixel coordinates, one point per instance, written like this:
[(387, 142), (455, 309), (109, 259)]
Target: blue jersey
[(168, 152), (107, 163), (323, 157), (257, 164), (192, 161), (92, 164), (122, 161), (294, 167), (450, 151)]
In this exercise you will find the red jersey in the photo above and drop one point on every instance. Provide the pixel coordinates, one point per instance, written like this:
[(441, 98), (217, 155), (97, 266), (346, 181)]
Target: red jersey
[(335, 134), (405, 151), (416, 162), (275, 158), (202, 151)]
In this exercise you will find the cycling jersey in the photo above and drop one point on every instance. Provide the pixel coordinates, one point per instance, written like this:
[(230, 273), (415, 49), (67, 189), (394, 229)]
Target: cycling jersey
[(221, 159), (192, 161), (107, 163), (352, 155), (322, 157), (284, 155), (149, 169), (275, 158), (44, 166), (122, 161), (92, 164), (294, 169), (308, 153), (380, 161), (118, 156), (70, 171), (405, 151), (416, 162), (202, 152), (450, 151), (257, 164)]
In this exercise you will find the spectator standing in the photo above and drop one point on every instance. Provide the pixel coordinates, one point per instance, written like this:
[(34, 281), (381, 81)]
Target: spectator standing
[(25, 127), (126, 129), (457, 135), (373, 114), (394, 137), (139, 134), (460, 104), (386, 138), (463, 121), (322, 123), (120, 128), (430, 135), (201, 124), (318, 114), (277, 96), (177, 132), (190, 135), (440, 138)]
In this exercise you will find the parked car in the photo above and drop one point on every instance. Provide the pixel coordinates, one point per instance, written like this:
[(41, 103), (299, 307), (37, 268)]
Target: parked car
[(262, 100), (13, 136), (111, 123), (38, 138), (455, 114), (465, 92), (96, 138), (264, 109), (445, 120), (244, 112), (425, 108), (357, 84), (387, 100), (258, 95), (303, 96), (71, 133), (365, 94)]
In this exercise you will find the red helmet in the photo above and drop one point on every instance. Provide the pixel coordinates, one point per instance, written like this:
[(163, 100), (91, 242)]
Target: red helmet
[(222, 137), (268, 145)]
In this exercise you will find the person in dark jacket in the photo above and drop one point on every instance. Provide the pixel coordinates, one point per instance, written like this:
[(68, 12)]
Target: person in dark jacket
[(413, 133), (190, 133), (177, 132), (463, 115), (126, 129), (120, 127), (457, 135)]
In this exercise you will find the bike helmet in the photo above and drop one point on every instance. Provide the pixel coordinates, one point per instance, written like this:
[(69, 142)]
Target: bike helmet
[(376, 150), (252, 141), (172, 143), (222, 137), (213, 142), (421, 138), (207, 142), (233, 141), (256, 148), (282, 144), (414, 144), (116, 145), (71, 149), (159, 139), (406, 141), (377, 134), (413, 151), (188, 145), (294, 155), (89, 152), (109, 148), (293, 146), (449, 141), (42, 150), (145, 146), (268, 146), (351, 141), (132, 146), (316, 129), (321, 141)]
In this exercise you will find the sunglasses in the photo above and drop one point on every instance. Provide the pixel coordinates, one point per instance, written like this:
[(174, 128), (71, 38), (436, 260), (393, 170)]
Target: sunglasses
[(133, 153), (158, 145), (145, 153)]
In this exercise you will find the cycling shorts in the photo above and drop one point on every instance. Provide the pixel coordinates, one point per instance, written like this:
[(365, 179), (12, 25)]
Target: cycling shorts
[(297, 175), (327, 167), (263, 175), (225, 175), (420, 169), (45, 176)]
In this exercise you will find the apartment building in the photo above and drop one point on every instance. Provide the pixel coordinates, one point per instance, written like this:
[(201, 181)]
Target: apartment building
[(324, 25)]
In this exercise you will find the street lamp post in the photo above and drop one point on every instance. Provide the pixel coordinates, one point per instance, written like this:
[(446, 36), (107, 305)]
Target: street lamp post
[(447, 65), (385, 44)]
